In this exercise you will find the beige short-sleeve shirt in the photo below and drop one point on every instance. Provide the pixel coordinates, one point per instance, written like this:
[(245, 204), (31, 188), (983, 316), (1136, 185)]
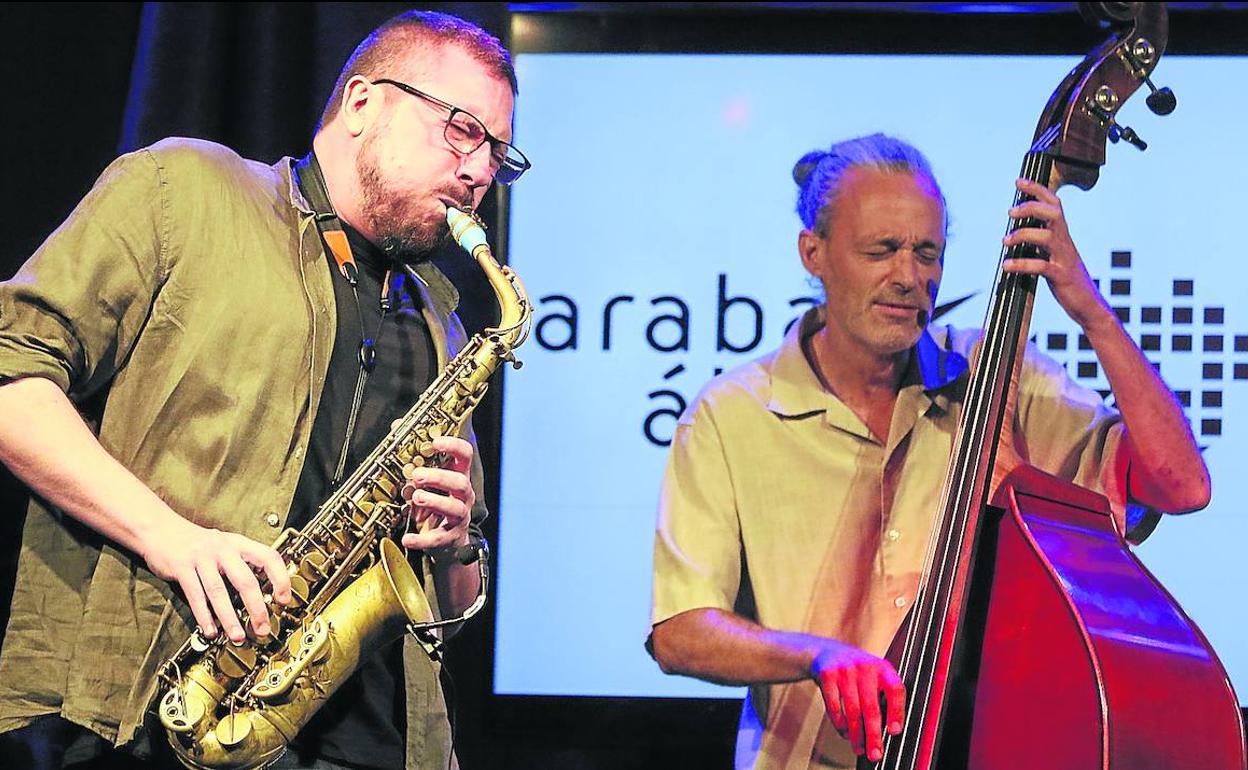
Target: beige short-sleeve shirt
[(774, 487)]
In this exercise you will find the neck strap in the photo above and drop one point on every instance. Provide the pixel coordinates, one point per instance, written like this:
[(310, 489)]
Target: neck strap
[(312, 182)]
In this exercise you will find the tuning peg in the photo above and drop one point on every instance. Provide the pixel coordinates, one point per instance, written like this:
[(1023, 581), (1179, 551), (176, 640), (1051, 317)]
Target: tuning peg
[(1161, 101), (1138, 56), (1126, 134)]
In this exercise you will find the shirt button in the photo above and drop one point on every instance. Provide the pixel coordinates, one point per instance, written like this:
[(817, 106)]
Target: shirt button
[(892, 534), (272, 520), (298, 452), (900, 601)]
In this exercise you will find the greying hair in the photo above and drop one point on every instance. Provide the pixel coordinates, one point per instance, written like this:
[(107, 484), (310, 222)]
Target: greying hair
[(820, 174), (387, 46)]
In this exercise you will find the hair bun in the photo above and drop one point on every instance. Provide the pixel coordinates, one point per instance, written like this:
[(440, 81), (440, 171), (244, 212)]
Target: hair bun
[(806, 165)]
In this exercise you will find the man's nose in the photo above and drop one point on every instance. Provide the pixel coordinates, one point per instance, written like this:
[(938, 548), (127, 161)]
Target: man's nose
[(476, 169), (905, 273)]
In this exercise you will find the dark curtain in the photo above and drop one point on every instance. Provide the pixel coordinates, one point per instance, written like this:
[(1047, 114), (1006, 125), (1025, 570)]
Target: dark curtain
[(89, 81)]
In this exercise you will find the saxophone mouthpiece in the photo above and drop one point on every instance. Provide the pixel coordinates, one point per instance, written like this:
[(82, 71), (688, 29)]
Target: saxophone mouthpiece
[(467, 229)]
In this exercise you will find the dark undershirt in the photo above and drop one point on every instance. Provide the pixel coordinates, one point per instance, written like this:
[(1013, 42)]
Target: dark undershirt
[(364, 723)]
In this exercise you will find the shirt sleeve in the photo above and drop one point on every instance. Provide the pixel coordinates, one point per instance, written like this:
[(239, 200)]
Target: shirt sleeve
[(697, 545), (74, 309), (1070, 432)]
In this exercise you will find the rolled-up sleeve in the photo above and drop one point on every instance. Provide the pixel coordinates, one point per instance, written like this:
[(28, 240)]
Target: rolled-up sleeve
[(73, 310), (697, 546), (1071, 433)]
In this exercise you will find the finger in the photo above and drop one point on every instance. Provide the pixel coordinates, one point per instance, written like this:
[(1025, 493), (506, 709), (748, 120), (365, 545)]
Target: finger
[(442, 505), (417, 514), (894, 697), (853, 710), (426, 519), (424, 541), (460, 452), (1029, 266), (193, 590), (219, 600), (274, 568), (248, 590), (443, 523), (448, 523), (832, 703), (1038, 191), (1033, 235), (458, 527), (429, 521), (872, 721), (1036, 210), (452, 482)]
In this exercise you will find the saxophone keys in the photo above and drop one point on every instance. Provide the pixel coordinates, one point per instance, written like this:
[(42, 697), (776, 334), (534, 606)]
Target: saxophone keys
[(298, 591), (384, 488), (177, 715), (274, 681), (340, 543), (361, 510), (236, 660), (233, 729), (315, 641), (312, 567), (275, 628)]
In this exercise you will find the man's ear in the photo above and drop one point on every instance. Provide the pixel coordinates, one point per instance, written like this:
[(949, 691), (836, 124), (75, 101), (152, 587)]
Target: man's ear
[(810, 249), (360, 98)]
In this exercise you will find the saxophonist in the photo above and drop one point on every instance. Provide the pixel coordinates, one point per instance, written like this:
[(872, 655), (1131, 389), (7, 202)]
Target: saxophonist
[(244, 367)]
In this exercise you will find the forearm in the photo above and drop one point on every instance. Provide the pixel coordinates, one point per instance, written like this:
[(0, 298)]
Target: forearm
[(45, 443), (457, 585), (1167, 471), (722, 647)]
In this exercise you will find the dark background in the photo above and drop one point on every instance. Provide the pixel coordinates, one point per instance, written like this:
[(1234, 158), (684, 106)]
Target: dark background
[(90, 81)]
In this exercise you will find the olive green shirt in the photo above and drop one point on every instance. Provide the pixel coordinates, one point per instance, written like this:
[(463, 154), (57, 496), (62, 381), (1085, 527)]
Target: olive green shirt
[(780, 504), (190, 284)]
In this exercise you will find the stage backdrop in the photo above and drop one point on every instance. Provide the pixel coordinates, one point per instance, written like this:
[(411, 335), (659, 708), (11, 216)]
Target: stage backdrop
[(657, 235)]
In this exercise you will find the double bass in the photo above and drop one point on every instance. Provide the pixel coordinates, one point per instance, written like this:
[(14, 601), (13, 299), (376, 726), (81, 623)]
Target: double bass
[(1038, 641)]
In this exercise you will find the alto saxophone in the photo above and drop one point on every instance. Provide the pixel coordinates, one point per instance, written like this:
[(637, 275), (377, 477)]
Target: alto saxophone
[(227, 706)]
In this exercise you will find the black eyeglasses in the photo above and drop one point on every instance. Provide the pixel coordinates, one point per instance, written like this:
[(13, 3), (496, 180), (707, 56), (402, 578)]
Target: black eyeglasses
[(465, 132)]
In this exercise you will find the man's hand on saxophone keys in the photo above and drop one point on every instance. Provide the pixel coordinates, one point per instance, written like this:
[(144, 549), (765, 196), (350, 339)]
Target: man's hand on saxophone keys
[(207, 563), (440, 500)]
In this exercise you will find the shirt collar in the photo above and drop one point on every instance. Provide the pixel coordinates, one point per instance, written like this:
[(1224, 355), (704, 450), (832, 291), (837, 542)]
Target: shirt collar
[(294, 194), (797, 391), (443, 296)]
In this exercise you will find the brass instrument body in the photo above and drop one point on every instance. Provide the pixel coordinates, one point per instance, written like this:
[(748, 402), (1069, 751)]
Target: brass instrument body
[(237, 707)]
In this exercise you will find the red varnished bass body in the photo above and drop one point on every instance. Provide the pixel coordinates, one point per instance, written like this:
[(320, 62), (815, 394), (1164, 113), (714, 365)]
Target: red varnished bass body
[(1076, 658)]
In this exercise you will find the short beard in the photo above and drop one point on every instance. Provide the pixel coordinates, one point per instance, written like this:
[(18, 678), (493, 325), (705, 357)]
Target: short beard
[(400, 233)]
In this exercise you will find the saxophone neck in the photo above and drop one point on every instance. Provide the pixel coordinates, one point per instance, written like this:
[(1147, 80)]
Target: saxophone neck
[(515, 310)]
